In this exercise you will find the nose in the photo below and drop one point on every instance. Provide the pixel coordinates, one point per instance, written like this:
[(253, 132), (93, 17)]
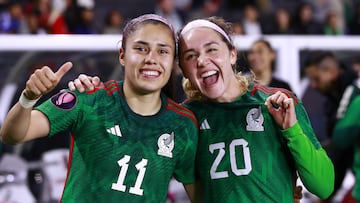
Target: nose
[(202, 60), (151, 57)]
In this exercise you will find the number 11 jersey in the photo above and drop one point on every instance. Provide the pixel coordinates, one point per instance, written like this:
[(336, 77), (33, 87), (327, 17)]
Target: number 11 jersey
[(117, 155)]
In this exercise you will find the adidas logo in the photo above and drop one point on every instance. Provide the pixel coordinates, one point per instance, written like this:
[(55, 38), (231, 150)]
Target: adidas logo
[(205, 125), (115, 130)]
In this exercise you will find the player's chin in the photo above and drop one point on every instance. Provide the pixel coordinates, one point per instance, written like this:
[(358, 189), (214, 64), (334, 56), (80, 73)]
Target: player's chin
[(211, 94), (153, 86)]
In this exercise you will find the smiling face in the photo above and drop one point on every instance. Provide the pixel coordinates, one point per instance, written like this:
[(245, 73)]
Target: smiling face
[(207, 62), (148, 58)]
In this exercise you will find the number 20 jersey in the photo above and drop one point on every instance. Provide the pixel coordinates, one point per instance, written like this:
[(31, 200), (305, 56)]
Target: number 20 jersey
[(117, 155), (242, 156)]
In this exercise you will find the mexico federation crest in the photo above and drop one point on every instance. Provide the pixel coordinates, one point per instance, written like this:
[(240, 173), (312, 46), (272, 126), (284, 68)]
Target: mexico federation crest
[(255, 120), (166, 144)]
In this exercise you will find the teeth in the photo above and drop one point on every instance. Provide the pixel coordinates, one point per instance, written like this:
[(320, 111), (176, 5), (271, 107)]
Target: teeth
[(150, 73), (209, 73)]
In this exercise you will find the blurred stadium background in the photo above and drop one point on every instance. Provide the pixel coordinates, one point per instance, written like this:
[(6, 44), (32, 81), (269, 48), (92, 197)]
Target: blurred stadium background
[(50, 32)]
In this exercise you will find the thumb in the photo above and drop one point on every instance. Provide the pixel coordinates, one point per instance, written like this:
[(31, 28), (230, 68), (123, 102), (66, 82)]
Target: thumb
[(63, 69)]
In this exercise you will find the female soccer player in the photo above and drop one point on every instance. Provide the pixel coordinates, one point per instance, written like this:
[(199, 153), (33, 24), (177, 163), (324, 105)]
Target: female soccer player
[(253, 140), (128, 139)]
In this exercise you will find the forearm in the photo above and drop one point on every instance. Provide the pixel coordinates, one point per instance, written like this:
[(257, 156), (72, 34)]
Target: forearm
[(22, 123), (16, 125), (314, 166)]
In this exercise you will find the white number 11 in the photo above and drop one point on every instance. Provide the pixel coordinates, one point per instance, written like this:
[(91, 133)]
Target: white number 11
[(119, 185)]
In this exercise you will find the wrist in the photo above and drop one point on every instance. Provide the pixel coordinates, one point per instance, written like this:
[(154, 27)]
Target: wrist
[(27, 103), (292, 131)]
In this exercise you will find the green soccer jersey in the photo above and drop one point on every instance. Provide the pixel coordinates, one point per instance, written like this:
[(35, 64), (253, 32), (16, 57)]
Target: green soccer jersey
[(243, 156), (117, 155), (347, 130)]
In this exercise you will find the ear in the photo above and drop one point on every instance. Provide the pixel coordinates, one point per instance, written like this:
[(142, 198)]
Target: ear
[(122, 56), (272, 55), (233, 56)]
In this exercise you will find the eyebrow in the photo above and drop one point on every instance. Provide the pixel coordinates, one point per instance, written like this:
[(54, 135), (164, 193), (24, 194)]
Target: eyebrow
[(206, 45), (147, 44)]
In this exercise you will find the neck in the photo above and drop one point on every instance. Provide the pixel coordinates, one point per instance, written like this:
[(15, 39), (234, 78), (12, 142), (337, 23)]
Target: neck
[(264, 77), (235, 90), (142, 104)]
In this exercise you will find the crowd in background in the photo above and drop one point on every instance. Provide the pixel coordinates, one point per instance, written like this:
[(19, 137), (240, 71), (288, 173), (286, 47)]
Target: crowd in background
[(250, 17)]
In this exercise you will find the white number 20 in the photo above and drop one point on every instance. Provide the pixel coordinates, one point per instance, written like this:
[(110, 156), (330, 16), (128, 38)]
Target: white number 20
[(119, 185), (234, 168)]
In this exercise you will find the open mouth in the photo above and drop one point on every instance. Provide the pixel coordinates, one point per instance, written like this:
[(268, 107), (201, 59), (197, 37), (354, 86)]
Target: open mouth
[(210, 77)]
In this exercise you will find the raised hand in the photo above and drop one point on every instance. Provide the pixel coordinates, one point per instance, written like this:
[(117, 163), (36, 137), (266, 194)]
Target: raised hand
[(282, 109), (44, 80), (84, 82)]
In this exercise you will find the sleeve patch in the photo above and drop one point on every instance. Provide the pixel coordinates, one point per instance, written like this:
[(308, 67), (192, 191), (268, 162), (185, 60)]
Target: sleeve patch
[(64, 100)]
